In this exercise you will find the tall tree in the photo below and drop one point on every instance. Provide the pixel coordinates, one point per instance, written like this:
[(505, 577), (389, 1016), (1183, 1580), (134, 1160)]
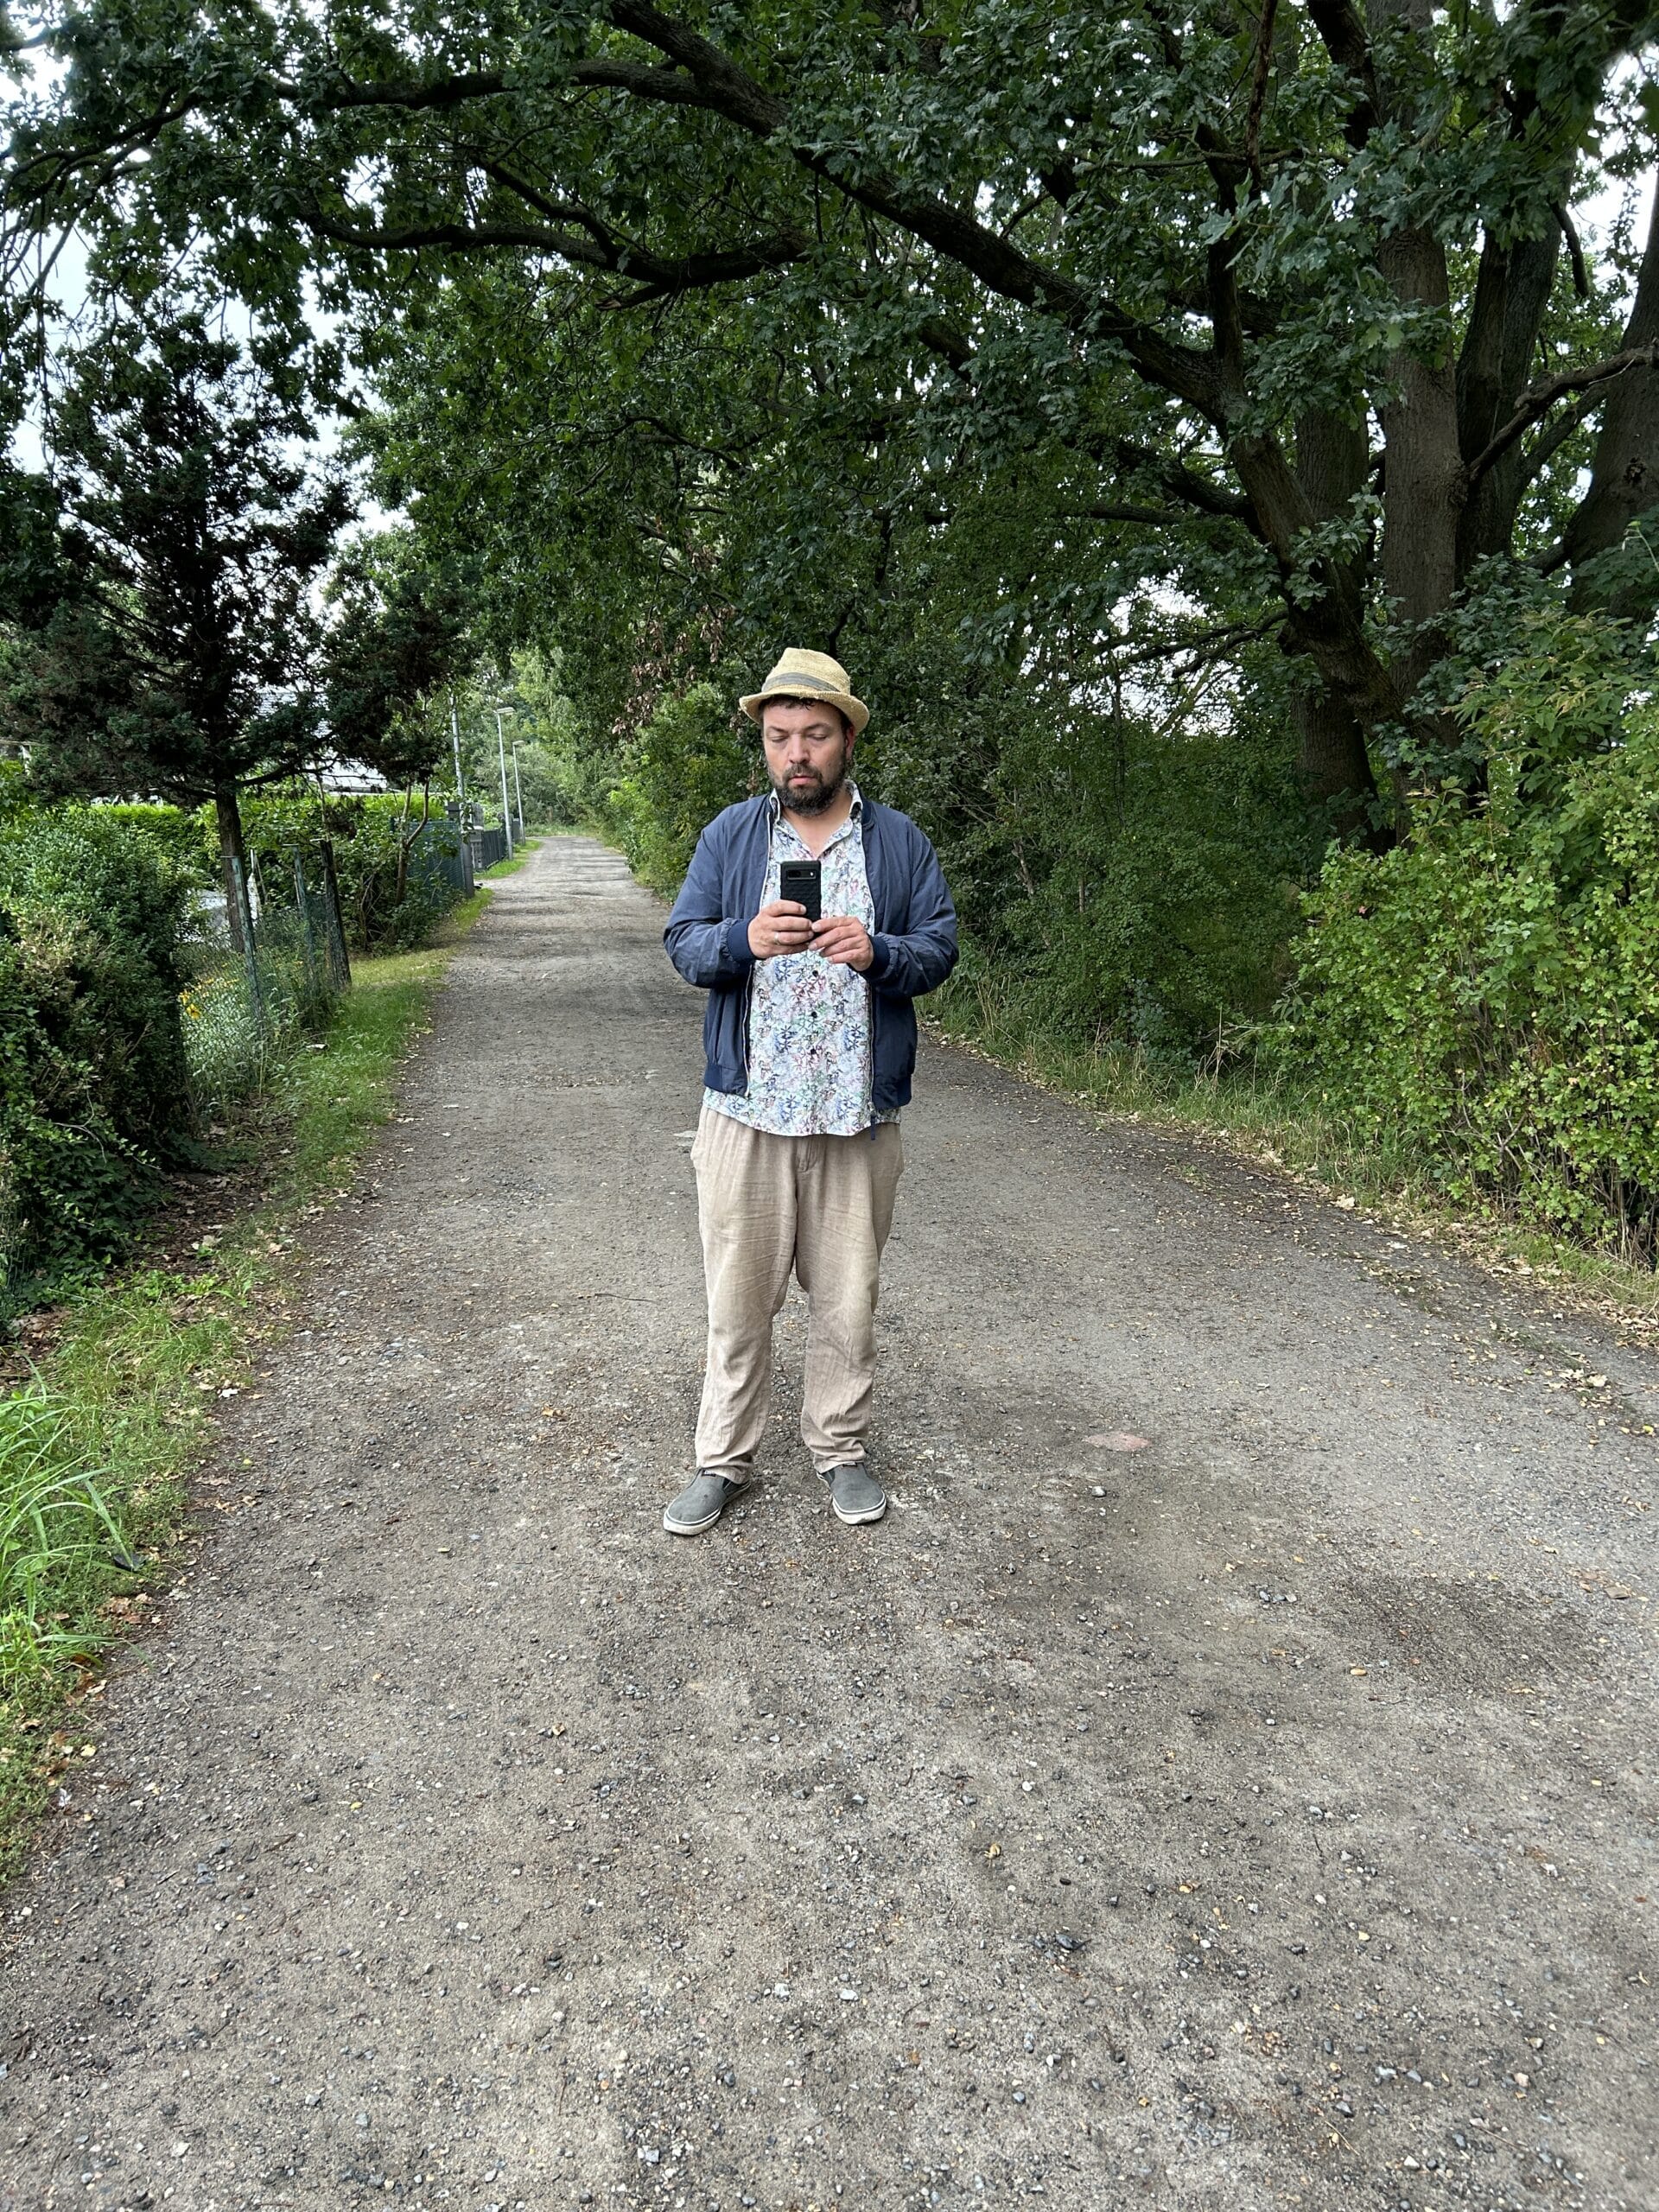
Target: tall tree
[(400, 635), (1301, 276), (162, 587)]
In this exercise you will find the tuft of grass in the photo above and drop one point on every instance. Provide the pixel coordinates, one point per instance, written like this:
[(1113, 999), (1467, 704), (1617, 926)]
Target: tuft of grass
[(96, 1451), (521, 852), (1275, 1123), (57, 1535)]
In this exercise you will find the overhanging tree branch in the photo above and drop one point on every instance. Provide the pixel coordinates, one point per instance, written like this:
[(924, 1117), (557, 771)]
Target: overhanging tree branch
[(1342, 31), (1178, 482), (642, 80), (1536, 403), (338, 93), (999, 264), (1549, 442), (942, 338), (700, 75), (1157, 517), (1259, 93), (659, 276)]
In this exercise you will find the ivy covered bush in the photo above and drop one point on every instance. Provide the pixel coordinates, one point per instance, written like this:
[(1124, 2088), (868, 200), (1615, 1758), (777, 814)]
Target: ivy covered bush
[(92, 1085), (1487, 993)]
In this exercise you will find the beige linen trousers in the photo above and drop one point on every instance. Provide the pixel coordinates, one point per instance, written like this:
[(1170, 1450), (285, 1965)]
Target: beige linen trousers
[(822, 1206)]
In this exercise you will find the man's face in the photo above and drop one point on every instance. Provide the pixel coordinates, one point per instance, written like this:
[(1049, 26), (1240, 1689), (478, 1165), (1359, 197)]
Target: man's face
[(809, 750)]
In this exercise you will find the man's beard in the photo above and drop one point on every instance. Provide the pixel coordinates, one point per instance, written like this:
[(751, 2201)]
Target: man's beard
[(817, 800)]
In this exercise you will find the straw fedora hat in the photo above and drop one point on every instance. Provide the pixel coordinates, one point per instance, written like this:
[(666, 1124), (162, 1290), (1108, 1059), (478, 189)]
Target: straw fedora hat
[(802, 675)]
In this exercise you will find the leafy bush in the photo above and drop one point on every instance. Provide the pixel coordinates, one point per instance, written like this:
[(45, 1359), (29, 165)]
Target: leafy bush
[(673, 776), (1118, 883), (176, 835), (1488, 992), (93, 1088)]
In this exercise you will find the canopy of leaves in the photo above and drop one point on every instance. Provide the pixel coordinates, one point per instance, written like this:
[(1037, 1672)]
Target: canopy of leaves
[(399, 635), (1277, 313)]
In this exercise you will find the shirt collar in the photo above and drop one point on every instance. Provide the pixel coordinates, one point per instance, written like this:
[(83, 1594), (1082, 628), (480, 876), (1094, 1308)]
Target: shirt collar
[(775, 807)]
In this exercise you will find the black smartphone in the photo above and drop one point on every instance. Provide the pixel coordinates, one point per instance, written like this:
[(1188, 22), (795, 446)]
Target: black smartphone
[(803, 880)]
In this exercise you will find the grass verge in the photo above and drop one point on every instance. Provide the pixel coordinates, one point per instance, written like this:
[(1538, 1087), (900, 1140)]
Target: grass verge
[(1275, 1124), (96, 1451), (521, 852)]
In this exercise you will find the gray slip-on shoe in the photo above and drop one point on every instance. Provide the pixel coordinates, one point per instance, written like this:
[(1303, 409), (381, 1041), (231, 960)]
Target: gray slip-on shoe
[(854, 1492), (700, 1504)]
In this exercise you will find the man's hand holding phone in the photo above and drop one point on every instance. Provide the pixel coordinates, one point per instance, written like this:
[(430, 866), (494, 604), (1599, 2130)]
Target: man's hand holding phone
[(781, 927), (842, 940)]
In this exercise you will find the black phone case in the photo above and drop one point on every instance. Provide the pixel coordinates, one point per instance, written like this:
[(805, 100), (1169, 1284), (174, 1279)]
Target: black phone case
[(803, 880)]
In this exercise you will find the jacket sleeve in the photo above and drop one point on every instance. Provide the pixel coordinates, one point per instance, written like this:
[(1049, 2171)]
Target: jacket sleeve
[(709, 947), (919, 960)]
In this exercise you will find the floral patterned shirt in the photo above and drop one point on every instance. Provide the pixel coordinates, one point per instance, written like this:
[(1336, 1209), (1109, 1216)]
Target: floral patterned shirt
[(810, 1067)]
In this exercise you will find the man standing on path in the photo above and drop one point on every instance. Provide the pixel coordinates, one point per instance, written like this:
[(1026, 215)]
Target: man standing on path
[(809, 1037)]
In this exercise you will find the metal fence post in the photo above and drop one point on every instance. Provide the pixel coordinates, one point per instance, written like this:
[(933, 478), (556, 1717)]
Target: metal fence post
[(454, 737), (303, 899), (506, 803), (250, 957), (340, 966)]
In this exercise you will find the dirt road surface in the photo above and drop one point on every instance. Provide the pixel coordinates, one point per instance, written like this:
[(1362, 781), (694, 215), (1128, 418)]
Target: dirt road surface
[(1261, 1817)]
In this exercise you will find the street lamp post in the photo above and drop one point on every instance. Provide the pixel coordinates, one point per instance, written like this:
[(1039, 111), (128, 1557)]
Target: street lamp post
[(518, 791), (461, 782), (501, 750)]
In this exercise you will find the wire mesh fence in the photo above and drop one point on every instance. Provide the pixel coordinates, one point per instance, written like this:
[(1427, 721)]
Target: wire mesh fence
[(257, 966)]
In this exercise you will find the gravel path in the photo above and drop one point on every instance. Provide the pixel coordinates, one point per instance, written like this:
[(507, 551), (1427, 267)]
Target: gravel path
[(1263, 1817)]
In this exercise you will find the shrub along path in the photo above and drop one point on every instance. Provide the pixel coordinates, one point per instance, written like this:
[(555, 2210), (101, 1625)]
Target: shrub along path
[(1258, 1817)]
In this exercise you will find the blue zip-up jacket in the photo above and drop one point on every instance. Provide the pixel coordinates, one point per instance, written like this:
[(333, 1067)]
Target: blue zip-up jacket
[(914, 937)]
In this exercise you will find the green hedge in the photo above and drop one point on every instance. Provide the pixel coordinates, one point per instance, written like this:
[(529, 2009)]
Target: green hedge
[(1486, 995), (176, 835), (92, 1083), (280, 824), (98, 1091)]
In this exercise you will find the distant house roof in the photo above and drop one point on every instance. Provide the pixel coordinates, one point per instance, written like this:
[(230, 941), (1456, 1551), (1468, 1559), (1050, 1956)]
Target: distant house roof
[(349, 777)]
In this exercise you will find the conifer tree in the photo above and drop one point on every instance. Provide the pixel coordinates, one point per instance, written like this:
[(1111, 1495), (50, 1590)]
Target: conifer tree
[(160, 574)]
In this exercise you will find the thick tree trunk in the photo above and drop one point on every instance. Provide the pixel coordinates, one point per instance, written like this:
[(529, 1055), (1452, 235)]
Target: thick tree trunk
[(232, 857), (1332, 759), (1624, 476), (1423, 482), (1353, 692), (1512, 292), (1331, 755)]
